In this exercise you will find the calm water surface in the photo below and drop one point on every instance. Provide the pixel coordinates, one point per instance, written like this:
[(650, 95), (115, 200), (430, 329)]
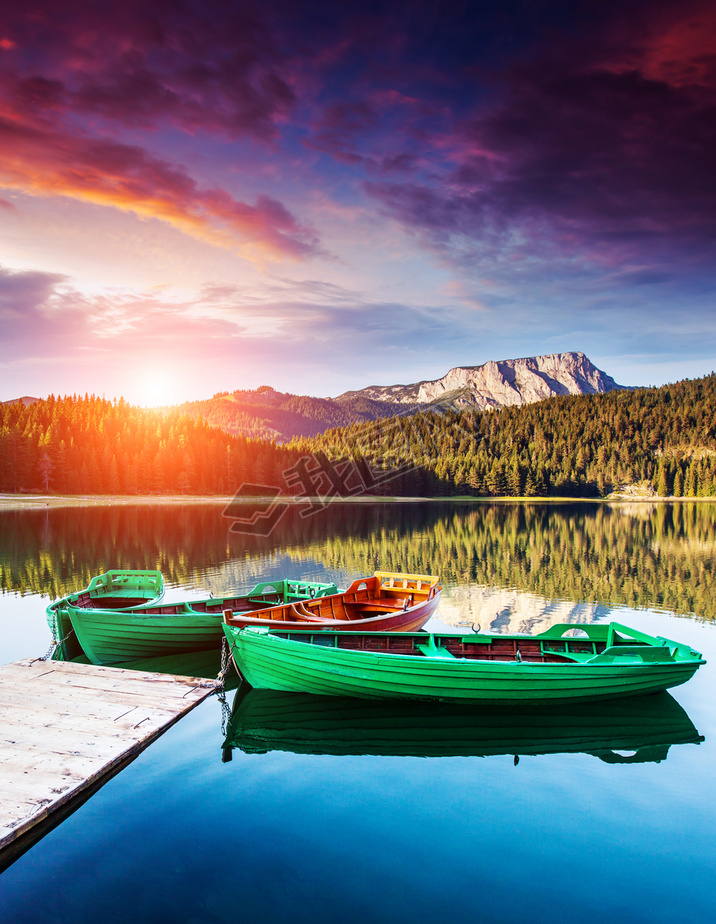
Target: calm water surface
[(312, 809)]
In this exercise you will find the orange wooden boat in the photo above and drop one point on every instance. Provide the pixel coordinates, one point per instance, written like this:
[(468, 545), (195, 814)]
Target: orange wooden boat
[(386, 602)]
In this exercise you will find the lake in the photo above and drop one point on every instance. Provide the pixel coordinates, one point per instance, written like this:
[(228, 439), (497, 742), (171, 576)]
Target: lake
[(304, 809)]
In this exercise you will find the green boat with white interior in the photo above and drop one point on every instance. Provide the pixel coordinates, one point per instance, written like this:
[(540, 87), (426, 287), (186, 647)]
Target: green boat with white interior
[(604, 662)]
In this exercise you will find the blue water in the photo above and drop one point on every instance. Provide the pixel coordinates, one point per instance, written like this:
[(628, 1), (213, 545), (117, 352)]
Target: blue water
[(180, 835)]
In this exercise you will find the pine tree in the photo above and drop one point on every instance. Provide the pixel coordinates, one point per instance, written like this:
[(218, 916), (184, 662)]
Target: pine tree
[(691, 483), (113, 476), (45, 468), (662, 481)]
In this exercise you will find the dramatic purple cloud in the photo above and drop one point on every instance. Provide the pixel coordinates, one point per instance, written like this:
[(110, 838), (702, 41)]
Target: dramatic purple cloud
[(136, 67), (213, 67), (596, 146), (52, 161), (479, 179)]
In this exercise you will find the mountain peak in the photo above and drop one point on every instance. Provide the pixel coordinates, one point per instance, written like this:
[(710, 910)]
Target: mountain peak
[(499, 383), (269, 414)]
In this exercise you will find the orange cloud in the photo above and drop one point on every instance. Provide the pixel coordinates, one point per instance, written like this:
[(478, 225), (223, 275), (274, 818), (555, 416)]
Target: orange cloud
[(45, 160)]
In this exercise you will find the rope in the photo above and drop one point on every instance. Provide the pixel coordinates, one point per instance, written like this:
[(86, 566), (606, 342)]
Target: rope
[(219, 682)]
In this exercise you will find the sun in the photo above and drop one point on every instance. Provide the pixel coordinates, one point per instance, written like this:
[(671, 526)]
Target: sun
[(156, 388)]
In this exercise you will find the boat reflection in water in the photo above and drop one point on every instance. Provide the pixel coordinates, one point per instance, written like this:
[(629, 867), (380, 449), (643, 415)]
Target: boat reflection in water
[(632, 730)]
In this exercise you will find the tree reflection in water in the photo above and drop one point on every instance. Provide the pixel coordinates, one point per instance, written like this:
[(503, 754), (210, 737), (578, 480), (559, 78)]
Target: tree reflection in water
[(652, 555)]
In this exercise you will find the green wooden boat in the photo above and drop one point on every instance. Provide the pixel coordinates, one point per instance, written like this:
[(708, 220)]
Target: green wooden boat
[(116, 635), (112, 590), (609, 661), (632, 730)]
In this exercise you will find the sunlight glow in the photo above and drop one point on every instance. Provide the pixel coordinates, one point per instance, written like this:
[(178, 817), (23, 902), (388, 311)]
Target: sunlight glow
[(155, 388)]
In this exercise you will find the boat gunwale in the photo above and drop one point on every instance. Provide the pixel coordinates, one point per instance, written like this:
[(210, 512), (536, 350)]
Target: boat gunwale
[(441, 663), (679, 653)]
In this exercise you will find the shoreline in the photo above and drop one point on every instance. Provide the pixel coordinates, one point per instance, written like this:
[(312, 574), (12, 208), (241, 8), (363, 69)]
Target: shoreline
[(11, 502)]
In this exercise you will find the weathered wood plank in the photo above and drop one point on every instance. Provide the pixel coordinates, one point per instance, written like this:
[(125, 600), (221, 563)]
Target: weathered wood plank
[(77, 677), (72, 741), (90, 725), (66, 728), (105, 713), (91, 702)]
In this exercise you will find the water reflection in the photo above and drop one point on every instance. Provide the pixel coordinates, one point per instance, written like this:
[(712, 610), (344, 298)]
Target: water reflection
[(617, 830), (634, 730), (657, 556)]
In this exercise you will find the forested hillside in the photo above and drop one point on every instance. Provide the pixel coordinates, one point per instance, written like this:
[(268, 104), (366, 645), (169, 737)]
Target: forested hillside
[(568, 446), (78, 445), (580, 446), (274, 415)]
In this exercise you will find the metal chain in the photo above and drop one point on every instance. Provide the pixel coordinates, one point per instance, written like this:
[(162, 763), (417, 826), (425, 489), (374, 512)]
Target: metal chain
[(55, 644), (218, 683), (225, 665), (225, 712), (49, 653)]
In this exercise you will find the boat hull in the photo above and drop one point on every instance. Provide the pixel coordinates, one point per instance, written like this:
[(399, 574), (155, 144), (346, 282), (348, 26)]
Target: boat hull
[(128, 636), (113, 590), (317, 665)]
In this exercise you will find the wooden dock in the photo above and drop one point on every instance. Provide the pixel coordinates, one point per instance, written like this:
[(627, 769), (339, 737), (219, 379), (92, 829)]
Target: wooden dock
[(66, 728)]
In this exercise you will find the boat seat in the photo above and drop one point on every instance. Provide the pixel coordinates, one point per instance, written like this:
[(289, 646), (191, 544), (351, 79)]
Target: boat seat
[(577, 656), (435, 651), (303, 613)]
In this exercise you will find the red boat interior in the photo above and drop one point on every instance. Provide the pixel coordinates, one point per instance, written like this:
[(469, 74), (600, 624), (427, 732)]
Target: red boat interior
[(244, 604), (85, 601), (487, 648), (365, 598)]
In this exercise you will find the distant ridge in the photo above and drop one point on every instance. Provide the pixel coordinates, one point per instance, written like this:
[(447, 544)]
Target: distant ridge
[(265, 413), (499, 384), (26, 400)]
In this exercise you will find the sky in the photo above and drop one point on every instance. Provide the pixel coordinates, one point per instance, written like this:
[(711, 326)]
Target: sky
[(318, 196)]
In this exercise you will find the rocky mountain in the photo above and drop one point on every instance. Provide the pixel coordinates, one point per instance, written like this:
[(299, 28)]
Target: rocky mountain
[(497, 384), (269, 414)]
